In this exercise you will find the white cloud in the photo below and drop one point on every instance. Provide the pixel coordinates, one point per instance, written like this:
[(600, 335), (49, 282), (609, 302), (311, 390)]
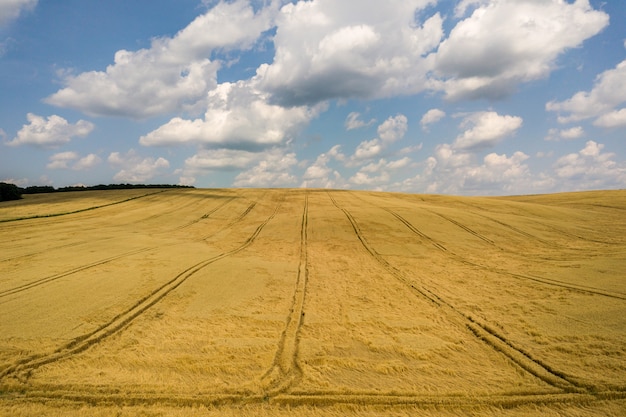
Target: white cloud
[(327, 49), (220, 160), (87, 162), (134, 168), (485, 129), (608, 92), (432, 116), (11, 9), (454, 171), (50, 133), (590, 169), (567, 134), (273, 170), (238, 116), (62, 160), (171, 75), (612, 119), (391, 130), (503, 43), (353, 121), (320, 175)]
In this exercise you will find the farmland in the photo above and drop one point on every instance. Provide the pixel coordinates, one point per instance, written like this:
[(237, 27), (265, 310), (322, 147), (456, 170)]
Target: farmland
[(262, 302)]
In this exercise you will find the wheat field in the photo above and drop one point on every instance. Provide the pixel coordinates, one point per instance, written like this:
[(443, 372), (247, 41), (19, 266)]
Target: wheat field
[(276, 302)]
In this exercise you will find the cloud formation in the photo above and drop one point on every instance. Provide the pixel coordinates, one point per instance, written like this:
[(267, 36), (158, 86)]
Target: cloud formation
[(431, 116), (390, 131), (238, 116), (62, 160), (51, 132), (134, 168), (328, 50), (608, 92), (11, 9), (171, 75), (503, 43), (485, 129), (353, 121)]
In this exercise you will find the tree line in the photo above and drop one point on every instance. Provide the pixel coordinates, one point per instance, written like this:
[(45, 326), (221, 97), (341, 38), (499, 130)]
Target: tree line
[(13, 192)]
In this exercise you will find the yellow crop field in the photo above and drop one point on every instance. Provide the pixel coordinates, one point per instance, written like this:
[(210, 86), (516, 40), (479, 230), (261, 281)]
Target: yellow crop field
[(277, 302)]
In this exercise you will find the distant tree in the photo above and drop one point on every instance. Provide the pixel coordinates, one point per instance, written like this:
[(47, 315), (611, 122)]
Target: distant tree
[(9, 192), (39, 189)]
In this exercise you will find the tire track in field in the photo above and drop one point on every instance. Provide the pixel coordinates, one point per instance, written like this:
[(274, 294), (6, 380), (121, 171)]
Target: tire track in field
[(44, 216), (497, 342), (204, 216), (54, 277), (23, 368), (91, 240), (285, 370), (462, 226), (547, 226), (416, 231), (585, 289)]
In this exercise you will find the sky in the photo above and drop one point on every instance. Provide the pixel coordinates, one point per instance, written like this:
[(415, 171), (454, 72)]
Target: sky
[(465, 97)]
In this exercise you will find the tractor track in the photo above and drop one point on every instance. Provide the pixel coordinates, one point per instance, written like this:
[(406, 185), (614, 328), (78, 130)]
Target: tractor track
[(282, 393), (45, 216), (54, 277), (462, 226), (543, 280), (23, 369), (495, 341), (91, 240), (584, 289), (285, 370)]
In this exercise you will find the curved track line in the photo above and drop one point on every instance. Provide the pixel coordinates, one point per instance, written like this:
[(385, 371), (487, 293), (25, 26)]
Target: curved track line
[(204, 216), (45, 280), (42, 281), (498, 343), (285, 370), (22, 369), (44, 216), (462, 226), (548, 281), (416, 230)]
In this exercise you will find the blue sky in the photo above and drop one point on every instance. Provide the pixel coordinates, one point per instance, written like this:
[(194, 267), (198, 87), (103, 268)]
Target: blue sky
[(470, 97)]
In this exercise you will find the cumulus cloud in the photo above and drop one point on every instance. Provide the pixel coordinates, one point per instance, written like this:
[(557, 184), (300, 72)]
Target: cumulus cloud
[(608, 92), (62, 160), (503, 43), (455, 171), (567, 134), (11, 9), (238, 115), (134, 168), (87, 162), (51, 132), (612, 119), (319, 174), (170, 75), (273, 170), (431, 116), (485, 129), (220, 160), (391, 130), (327, 49), (378, 173), (590, 168), (353, 121)]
